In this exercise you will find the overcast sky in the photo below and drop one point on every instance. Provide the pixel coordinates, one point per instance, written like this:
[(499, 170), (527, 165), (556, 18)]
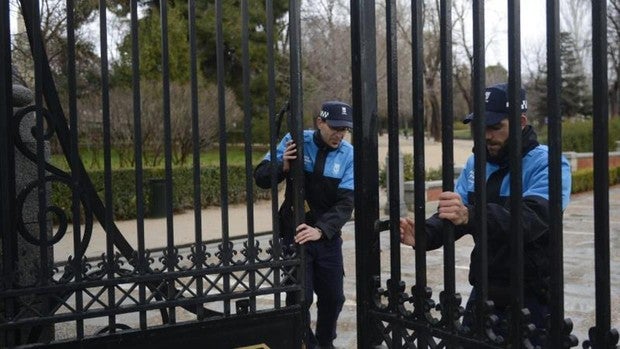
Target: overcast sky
[(533, 29)]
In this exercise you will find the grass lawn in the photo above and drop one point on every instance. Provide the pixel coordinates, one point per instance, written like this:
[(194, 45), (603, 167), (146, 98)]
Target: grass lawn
[(93, 160), (462, 134)]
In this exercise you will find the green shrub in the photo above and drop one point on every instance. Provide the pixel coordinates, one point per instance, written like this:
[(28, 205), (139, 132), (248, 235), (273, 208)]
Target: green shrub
[(463, 134), (577, 135), (124, 190), (461, 130), (431, 174), (583, 180)]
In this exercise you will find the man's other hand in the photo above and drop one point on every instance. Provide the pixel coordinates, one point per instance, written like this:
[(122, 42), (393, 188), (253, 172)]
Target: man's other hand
[(451, 207), (407, 231)]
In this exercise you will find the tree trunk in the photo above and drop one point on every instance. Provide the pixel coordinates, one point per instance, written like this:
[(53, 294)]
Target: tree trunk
[(614, 99), (435, 124)]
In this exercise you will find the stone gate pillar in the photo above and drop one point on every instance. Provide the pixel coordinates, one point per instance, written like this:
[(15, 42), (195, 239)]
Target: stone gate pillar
[(28, 255)]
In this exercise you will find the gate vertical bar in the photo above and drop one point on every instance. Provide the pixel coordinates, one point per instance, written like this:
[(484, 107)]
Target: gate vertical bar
[(394, 284), (7, 173), (38, 50), (171, 251), (107, 158), (516, 241), (296, 129), (554, 88), (75, 173), (247, 131), (365, 143), (137, 137), (479, 122), (193, 73), (420, 290), (225, 247), (601, 336), (447, 298), (273, 138)]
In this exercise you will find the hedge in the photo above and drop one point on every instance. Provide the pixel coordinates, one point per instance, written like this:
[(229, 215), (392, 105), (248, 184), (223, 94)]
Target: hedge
[(577, 135), (124, 193), (431, 174), (124, 189), (583, 180)]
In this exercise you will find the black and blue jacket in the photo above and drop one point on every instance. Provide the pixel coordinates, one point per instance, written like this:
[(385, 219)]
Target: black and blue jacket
[(328, 180), (535, 219)]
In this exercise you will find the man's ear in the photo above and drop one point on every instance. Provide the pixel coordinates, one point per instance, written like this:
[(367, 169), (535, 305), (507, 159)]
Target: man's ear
[(317, 121), (523, 120)]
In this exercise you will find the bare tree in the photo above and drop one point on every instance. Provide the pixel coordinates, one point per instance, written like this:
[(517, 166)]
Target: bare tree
[(432, 69), (464, 49), (462, 60), (327, 53), (431, 60), (403, 61), (122, 121), (613, 40), (53, 25), (464, 57)]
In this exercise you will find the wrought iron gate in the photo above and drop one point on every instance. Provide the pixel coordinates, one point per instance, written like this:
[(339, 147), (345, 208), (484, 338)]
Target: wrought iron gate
[(226, 293), (218, 293), (387, 313)]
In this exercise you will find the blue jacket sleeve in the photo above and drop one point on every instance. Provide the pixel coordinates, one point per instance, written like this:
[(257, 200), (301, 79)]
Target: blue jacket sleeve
[(262, 172), (332, 221), (535, 217)]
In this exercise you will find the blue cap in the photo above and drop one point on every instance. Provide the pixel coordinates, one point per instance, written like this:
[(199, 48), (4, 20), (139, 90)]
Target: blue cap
[(337, 114), (496, 104)]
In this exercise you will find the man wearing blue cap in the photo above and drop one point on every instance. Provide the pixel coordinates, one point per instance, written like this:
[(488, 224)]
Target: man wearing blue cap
[(328, 180), (459, 208)]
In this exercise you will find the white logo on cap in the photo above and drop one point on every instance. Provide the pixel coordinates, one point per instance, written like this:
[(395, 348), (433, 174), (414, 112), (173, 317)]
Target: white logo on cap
[(344, 111), (523, 104), (324, 114)]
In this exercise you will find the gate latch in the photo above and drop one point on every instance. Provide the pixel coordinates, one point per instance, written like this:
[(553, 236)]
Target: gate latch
[(382, 225)]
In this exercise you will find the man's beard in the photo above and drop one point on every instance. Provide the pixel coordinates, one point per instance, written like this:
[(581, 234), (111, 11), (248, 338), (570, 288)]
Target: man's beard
[(500, 156)]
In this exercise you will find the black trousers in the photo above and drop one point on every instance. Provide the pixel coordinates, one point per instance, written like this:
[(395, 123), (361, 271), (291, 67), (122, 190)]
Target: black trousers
[(325, 278)]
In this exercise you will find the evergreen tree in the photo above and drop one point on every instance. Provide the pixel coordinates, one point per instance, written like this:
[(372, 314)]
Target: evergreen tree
[(575, 97)]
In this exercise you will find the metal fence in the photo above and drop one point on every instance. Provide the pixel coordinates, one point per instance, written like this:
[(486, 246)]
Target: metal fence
[(228, 291), (387, 313), (222, 292)]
